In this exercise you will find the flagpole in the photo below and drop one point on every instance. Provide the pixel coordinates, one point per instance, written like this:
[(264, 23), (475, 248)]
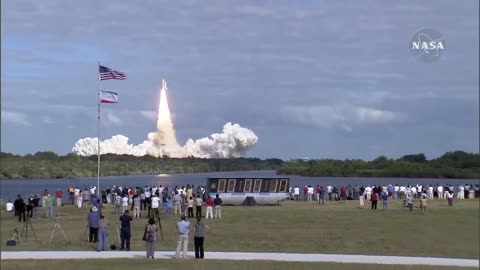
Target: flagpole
[(98, 134)]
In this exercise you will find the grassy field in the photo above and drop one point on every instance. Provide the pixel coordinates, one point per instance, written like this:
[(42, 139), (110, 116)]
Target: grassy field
[(127, 264), (292, 227)]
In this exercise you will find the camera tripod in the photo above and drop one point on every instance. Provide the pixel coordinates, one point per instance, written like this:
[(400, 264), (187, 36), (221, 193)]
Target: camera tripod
[(15, 235), (160, 226), (59, 227), (26, 224)]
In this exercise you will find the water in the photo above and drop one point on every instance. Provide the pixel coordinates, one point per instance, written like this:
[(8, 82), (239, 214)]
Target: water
[(26, 187)]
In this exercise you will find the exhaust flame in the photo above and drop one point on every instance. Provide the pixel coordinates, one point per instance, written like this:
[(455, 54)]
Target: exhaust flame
[(233, 142), (165, 138)]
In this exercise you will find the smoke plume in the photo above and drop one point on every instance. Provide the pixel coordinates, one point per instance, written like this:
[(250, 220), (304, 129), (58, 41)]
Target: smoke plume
[(233, 142)]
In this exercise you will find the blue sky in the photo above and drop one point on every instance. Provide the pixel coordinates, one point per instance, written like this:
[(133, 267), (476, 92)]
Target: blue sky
[(318, 79)]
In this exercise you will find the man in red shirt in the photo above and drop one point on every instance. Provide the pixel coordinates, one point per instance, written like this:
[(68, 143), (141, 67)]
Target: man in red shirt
[(374, 199), (343, 193), (209, 204), (317, 192), (59, 195)]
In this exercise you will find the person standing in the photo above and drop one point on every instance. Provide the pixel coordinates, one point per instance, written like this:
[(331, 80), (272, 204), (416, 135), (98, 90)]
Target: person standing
[(102, 233), (151, 237), (71, 195), (36, 205), (20, 207), (168, 206), (198, 204), (93, 220), (410, 202), (136, 206), (183, 228), (361, 198), (374, 199), (59, 196), (125, 232), (199, 230), (85, 197), (155, 207), (125, 203), (49, 206), (385, 200), (218, 207), (190, 207), (79, 199), (423, 204), (209, 204), (177, 200), (321, 195), (450, 198)]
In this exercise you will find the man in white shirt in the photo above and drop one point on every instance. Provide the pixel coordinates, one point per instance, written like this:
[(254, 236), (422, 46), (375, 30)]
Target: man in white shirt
[(440, 192), (430, 192), (402, 192), (155, 206), (414, 191), (125, 203), (296, 193), (310, 193), (396, 189), (329, 191), (368, 191), (419, 190), (461, 192)]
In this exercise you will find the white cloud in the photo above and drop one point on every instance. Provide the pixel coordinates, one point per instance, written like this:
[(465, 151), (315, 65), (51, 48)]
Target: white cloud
[(15, 118), (344, 116), (113, 119), (150, 115), (48, 120)]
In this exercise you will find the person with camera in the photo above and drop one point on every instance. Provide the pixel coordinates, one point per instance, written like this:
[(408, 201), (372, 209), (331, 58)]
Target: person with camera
[(183, 228)]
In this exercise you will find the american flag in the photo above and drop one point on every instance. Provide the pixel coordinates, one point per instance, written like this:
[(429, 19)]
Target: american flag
[(110, 74)]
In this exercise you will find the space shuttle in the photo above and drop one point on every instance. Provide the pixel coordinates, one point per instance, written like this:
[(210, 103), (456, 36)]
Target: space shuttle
[(164, 84)]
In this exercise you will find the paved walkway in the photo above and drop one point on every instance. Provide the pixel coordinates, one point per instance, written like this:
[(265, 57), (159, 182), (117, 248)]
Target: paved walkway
[(294, 257)]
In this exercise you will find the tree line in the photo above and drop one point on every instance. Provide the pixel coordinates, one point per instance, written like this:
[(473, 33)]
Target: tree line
[(457, 164), (48, 164)]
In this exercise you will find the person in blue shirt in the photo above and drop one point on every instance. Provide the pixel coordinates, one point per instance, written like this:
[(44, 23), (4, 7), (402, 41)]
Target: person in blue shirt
[(385, 200), (93, 219), (168, 206), (183, 227)]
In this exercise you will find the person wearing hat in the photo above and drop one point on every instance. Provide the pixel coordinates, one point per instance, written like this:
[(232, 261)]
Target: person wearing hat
[(183, 227), (93, 220)]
